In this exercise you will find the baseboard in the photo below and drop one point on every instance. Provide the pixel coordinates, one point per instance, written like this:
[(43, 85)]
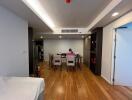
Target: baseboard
[(106, 79)]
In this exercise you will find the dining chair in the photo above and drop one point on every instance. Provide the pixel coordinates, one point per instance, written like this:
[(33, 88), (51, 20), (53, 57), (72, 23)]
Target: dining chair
[(51, 60), (70, 61), (57, 61), (78, 61)]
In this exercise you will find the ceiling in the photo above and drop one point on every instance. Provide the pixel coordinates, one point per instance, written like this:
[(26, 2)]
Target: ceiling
[(124, 7), (20, 9), (80, 13)]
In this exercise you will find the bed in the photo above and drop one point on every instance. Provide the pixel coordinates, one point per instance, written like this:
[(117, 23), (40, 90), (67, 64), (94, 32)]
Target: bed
[(21, 88)]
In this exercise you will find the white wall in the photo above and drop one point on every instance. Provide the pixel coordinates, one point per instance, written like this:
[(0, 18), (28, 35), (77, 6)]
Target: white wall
[(123, 65), (13, 45), (107, 52), (108, 46), (56, 46)]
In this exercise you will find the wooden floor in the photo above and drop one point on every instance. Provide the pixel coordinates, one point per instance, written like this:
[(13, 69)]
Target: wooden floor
[(80, 85)]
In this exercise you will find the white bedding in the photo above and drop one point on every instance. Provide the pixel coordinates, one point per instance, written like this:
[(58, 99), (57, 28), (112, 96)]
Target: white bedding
[(20, 88)]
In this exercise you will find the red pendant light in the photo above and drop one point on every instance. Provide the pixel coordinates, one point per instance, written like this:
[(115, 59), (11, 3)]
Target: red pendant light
[(68, 1)]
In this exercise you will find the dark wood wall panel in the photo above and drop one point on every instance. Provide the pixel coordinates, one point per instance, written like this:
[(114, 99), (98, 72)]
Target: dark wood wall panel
[(30, 46), (96, 50), (86, 51)]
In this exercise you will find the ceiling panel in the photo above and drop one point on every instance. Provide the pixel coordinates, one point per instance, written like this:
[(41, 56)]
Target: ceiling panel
[(124, 7), (79, 13), (19, 8)]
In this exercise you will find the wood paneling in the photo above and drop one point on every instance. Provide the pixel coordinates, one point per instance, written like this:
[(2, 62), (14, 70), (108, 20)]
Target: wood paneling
[(86, 51), (96, 50), (30, 47), (80, 85)]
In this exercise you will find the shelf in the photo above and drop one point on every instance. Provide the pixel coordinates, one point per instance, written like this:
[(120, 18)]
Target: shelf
[(96, 50), (93, 52)]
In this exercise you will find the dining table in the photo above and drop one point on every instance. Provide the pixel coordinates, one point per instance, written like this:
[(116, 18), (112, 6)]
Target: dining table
[(78, 60)]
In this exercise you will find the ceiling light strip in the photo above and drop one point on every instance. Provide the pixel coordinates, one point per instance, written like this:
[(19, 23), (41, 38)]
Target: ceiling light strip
[(38, 9)]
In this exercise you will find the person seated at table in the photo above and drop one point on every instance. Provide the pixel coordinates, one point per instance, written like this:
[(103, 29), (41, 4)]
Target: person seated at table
[(70, 52)]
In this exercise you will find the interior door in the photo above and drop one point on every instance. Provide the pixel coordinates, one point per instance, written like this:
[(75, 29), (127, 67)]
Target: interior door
[(123, 62)]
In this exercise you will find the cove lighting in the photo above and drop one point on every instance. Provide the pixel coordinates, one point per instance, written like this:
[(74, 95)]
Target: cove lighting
[(89, 37), (115, 14), (41, 37), (39, 10), (82, 36), (60, 36)]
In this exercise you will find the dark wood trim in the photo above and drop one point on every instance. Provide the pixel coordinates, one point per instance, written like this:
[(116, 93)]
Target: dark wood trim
[(30, 45)]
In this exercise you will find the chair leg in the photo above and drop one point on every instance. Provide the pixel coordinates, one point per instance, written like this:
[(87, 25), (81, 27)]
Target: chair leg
[(74, 68), (67, 68), (54, 67), (60, 67), (79, 65)]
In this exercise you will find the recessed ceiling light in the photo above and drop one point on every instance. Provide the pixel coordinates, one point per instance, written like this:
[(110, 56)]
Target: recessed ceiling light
[(41, 37), (39, 10), (82, 36), (115, 14), (89, 37), (60, 36)]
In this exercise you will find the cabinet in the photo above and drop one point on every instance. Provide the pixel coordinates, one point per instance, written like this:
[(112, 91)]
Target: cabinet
[(30, 47), (96, 50)]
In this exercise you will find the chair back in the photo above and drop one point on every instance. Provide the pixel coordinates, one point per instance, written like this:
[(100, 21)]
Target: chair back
[(70, 60), (57, 60)]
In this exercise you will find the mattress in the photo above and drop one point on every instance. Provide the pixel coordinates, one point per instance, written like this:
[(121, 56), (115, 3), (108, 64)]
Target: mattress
[(21, 88)]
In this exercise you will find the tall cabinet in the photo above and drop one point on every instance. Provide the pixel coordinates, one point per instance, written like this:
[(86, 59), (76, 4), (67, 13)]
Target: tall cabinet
[(96, 50), (30, 47)]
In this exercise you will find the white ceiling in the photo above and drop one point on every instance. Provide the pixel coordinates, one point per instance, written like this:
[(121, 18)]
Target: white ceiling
[(19, 8), (80, 13), (124, 7)]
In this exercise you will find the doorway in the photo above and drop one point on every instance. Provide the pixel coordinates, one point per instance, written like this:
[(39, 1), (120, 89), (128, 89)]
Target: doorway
[(123, 56)]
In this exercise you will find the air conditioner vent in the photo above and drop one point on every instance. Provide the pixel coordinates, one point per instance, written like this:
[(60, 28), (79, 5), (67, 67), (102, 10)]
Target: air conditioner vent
[(69, 31)]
